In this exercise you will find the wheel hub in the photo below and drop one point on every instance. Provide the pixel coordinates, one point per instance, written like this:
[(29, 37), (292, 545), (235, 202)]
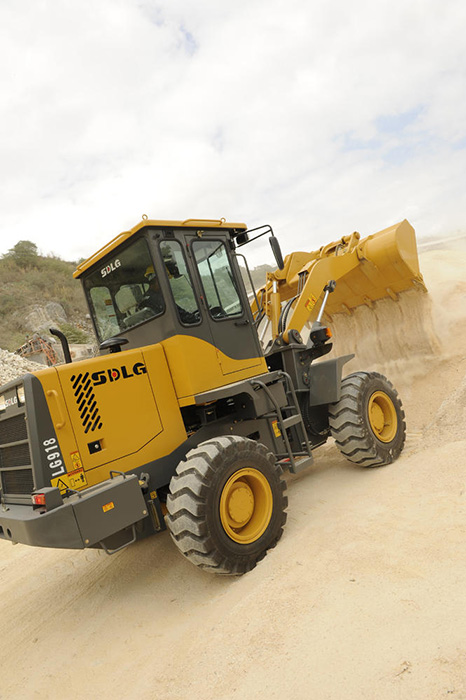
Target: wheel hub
[(240, 504), (246, 505), (382, 416)]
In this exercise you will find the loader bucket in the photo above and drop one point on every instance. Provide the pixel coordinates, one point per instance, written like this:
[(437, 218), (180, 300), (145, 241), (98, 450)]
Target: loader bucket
[(387, 264), (379, 309), (364, 318)]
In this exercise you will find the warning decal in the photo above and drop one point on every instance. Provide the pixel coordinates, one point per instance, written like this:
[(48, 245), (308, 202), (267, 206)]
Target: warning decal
[(310, 302), (76, 460), (73, 480)]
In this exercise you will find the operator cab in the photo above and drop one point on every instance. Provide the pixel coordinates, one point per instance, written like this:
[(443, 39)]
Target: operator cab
[(165, 279)]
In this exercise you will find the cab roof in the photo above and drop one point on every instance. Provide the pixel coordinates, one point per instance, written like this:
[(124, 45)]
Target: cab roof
[(146, 222)]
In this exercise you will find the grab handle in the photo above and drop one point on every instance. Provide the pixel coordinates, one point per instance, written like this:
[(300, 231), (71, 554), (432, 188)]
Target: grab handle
[(61, 421)]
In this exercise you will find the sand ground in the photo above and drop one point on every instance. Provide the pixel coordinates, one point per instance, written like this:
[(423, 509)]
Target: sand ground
[(363, 598)]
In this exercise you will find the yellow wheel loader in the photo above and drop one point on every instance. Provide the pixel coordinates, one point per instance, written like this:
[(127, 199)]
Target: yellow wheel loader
[(185, 420)]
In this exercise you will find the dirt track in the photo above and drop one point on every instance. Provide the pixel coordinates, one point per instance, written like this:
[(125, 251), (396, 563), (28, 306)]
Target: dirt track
[(364, 597)]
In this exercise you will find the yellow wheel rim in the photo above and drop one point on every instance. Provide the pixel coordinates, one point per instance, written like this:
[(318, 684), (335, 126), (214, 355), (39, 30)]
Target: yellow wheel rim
[(246, 505), (382, 416)]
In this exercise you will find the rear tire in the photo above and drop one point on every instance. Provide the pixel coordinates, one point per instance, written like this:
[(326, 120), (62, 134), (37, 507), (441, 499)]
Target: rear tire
[(226, 504), (368, 421)]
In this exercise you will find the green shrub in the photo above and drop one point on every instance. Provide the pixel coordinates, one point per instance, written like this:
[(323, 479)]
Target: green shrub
[(74, 334)]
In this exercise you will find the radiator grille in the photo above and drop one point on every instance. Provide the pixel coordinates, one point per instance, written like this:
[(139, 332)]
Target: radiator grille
[(13, 429), (16, 477), (15, 456), (18, 481)]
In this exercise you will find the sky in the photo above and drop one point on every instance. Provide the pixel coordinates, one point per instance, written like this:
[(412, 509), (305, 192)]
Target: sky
[(317, 117)]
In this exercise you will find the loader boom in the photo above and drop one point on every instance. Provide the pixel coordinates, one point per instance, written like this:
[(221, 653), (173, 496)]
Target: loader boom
[(366, 270)]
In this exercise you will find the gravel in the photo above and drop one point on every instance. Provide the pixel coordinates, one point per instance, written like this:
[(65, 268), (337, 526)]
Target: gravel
[(13, 366)]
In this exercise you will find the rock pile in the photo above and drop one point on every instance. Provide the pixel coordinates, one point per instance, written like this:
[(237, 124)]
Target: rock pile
[(13, 366)]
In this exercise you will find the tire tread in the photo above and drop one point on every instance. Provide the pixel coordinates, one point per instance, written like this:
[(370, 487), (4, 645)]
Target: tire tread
[(186, 504), (350, 429)]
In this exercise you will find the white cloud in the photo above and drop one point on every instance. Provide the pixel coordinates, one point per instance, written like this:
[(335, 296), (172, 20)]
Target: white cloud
[(256, 111)]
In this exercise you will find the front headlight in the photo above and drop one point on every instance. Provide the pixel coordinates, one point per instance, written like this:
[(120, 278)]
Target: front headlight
[(2, 403), (20, 395)]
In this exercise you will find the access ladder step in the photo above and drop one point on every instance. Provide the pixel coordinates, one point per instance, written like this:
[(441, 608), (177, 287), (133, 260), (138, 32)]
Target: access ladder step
[(300, 464), (292, 420)]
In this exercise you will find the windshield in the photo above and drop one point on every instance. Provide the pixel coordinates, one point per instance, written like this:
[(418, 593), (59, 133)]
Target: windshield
[(125, 291)]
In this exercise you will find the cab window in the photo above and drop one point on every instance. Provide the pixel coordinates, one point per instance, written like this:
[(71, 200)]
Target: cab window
[(180, 283), (124, 291), (217, 279)]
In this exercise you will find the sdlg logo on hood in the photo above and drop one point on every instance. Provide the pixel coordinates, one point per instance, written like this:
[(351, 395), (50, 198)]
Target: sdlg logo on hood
[(114, 374)]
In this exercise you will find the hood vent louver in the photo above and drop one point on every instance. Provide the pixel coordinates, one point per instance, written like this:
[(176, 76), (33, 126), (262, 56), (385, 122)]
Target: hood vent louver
[(86, 402)]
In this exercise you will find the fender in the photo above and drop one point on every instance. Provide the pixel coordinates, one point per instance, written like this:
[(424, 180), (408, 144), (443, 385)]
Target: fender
[(325, 380)]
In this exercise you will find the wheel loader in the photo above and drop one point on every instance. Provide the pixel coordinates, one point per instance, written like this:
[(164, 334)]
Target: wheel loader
[(189, 416)]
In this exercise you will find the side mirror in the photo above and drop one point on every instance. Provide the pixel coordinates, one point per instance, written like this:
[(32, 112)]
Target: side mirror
[(242, 238), (277, 253)]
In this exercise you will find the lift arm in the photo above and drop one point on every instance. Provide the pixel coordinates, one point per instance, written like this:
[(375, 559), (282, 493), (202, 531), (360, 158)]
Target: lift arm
[(382, 265)]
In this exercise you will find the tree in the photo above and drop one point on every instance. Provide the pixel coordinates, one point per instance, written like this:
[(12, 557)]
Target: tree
[(24, 254)]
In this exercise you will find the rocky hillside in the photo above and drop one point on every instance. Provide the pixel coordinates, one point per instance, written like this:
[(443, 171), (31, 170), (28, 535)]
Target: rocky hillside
[(37, 292)]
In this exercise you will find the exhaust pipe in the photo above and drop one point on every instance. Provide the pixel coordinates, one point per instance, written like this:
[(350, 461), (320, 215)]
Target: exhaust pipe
[(64, 344)]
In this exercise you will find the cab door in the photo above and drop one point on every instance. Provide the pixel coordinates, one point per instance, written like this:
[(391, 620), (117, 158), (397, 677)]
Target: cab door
[(225, 304)]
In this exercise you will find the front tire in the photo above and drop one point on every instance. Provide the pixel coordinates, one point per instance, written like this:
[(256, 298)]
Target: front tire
[(368, 421), (226, 504)]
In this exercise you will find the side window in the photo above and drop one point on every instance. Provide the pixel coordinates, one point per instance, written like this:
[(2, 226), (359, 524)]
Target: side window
[(105, 312), (180, 282), (217, 279)]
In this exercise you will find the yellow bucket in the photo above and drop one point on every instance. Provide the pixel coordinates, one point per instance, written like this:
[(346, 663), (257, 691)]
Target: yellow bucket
[(385, 264)]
